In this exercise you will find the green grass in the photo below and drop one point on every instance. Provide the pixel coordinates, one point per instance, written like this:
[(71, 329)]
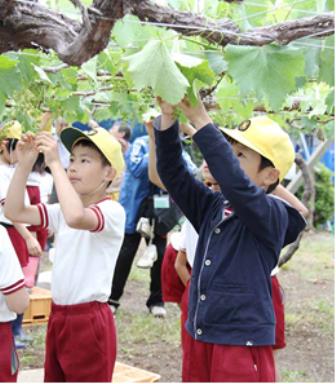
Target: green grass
[(314, 259), (144, 328), (139, 274), (293, 376), (33, 355)]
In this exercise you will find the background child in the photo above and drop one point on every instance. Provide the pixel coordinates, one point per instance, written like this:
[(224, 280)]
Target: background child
[(81, 340), (23, 241), (13, 299)]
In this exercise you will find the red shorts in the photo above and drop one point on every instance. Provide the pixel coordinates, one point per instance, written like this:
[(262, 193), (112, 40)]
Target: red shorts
[(279, 313), (204, 362), (9, 362), (19, 245), (172, 286), (81, 343)]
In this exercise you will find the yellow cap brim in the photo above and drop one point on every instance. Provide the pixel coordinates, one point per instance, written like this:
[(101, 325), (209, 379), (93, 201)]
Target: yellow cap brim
[(70, 136)]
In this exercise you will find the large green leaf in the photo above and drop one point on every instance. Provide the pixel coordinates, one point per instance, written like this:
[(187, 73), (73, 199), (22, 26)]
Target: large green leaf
[(6, 62), (154, 67), (269, 71)]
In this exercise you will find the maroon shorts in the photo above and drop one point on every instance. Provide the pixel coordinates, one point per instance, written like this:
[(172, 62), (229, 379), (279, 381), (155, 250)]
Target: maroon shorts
[(9, 362), (81, 343), (19, 245), (279, 313), (204, 362), (172, 286)]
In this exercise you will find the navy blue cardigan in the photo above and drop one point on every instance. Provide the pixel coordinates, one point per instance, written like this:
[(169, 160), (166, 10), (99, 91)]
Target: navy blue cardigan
[(230, 292)]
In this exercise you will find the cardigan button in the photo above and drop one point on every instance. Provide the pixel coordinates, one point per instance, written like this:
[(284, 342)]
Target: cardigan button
[(217, 231), (207, 262), (202, 297), (199, 331)]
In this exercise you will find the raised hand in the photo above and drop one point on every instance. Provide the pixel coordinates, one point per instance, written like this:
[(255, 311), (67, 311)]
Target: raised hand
[(166, 108), (196, 114), (168, 113), (48, 146), (26, 150)]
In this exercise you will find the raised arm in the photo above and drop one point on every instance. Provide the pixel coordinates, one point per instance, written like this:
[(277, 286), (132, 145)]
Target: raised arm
[(152, 170), (192, 197), (285, 194), (15, 209)]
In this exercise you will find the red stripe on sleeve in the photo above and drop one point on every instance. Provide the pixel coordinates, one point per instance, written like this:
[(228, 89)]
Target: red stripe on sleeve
[(45, 215), (100, 217), (13, 288), (41, 213)]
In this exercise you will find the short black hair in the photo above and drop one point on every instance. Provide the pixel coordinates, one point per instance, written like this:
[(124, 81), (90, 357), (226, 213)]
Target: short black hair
[(264, 163), (11, 144), (89, 144), (126, 130)]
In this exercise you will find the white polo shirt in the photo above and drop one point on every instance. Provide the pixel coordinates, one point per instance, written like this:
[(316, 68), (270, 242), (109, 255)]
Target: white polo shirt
[(11, 276), (189, 239), (84, 260)]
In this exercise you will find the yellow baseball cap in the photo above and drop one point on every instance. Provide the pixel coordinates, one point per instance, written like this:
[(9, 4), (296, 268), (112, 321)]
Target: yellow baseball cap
[(266, 137), (103, 140), (11, 130)]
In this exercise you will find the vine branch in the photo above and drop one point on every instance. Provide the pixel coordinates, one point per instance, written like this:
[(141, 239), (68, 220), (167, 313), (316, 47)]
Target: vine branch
[(28, 24)]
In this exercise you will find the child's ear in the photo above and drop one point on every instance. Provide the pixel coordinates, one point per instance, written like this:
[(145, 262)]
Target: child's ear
[(110, 173), (271, 176)]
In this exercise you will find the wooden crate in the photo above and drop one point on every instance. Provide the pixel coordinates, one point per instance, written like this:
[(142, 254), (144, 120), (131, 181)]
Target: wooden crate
[(39, 307), (124, 373)]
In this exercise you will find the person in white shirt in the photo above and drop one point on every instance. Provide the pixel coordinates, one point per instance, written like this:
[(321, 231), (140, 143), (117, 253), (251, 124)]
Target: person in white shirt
[(13, 299), (89, 228)]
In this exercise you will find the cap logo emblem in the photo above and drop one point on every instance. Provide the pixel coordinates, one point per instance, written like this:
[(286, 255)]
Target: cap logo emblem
[(244, 125), (92, 132)]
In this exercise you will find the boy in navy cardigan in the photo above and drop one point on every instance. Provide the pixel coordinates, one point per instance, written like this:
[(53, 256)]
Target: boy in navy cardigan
[(241, 233)]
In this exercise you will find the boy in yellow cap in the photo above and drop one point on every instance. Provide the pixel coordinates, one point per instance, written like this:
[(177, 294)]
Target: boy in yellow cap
[(242, 230), (89, 228)]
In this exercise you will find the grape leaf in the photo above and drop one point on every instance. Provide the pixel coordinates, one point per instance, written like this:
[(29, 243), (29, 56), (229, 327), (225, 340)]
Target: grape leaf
[(154, 67), (269, 71), (6, 62), (216, 61)]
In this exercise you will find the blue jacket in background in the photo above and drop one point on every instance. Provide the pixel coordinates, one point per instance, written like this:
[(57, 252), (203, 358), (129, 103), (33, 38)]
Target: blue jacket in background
[(136, 185), (230, 292)]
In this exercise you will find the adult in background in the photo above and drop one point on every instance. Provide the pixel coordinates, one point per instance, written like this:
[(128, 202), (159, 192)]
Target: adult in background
[(135, 190)]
